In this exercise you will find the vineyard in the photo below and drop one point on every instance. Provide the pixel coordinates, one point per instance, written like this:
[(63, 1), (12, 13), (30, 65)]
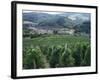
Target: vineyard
[(54, 51)]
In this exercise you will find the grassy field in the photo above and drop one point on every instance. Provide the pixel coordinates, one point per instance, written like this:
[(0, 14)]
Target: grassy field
[(55, 40), (51, 51)]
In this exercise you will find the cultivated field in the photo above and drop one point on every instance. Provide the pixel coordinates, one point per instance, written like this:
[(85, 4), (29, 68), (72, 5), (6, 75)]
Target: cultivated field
[(54, 51)]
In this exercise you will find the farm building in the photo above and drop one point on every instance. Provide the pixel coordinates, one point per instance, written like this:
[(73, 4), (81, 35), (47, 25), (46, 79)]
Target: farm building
[(66, 31), (46, 30)]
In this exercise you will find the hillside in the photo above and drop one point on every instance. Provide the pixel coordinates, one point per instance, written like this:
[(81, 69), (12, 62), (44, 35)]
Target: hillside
[(77, 21)]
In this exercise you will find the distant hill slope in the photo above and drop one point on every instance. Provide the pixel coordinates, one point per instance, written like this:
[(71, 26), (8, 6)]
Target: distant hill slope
[(80, 21)]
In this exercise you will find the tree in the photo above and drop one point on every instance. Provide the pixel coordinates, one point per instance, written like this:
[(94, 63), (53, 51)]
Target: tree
[(55, 31), (85, 27)]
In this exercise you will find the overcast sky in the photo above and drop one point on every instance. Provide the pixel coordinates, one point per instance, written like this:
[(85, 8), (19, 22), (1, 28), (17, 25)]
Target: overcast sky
[(71, 15), (43, 12)]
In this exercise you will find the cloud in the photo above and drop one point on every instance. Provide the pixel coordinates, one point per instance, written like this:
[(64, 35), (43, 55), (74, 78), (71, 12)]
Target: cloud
[(29, 11), (81, 16), (53, 12)]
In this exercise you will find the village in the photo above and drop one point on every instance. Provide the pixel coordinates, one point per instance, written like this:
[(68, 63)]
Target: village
[(45, 30)]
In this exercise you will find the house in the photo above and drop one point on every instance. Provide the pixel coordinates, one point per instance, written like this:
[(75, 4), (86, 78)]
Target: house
[(34, 29), (66, 31), (29, 24)]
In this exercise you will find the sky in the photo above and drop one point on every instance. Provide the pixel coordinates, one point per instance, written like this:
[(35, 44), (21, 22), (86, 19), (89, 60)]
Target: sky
[(73, 16), (43, 12)]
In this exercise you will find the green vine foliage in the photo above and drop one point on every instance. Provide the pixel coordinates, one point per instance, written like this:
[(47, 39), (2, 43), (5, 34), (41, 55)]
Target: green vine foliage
[(55, 56)]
